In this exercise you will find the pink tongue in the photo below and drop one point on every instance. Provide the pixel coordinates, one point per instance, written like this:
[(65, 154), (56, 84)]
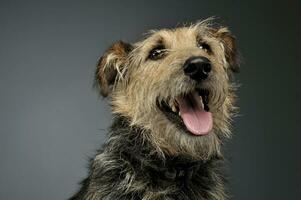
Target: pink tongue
[(196, 119)]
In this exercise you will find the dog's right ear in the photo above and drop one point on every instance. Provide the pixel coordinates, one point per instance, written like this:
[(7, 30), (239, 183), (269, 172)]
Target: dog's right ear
[(109, 65)]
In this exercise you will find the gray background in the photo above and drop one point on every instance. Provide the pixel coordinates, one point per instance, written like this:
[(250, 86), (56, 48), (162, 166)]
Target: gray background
[(51, 119)]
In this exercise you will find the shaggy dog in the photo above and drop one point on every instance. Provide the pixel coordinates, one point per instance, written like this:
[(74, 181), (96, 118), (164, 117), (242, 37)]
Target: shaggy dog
[(172, 97)]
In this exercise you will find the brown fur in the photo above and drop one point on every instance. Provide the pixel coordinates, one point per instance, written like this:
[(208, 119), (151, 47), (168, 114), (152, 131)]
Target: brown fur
[(148, 156), (164, 79)]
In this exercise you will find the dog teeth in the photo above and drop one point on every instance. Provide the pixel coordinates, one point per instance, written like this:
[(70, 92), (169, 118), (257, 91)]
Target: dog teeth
[(201, 102), (173, 108)]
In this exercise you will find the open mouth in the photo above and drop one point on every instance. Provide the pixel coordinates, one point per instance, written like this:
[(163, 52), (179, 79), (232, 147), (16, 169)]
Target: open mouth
[(190, 111)]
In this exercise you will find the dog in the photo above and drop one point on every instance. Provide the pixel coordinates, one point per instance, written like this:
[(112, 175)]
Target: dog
[(172, 95)]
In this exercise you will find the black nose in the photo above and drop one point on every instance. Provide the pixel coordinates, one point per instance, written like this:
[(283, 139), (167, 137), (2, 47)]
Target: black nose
[(198, 68)]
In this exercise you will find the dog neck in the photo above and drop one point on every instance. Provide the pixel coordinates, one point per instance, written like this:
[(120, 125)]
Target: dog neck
[(128, 142)]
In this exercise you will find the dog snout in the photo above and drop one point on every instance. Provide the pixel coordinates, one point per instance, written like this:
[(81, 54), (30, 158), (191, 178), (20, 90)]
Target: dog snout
[(197, 68)]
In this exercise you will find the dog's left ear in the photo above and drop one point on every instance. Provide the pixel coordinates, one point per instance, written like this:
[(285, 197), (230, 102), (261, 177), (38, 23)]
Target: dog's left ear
[(230, 49), (109, 65)]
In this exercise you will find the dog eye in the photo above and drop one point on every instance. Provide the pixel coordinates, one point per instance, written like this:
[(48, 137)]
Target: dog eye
[(204, 46), (157, 52)]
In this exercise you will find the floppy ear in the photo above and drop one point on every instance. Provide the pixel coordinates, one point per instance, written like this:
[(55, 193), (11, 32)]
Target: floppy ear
[(109, 65), (230, 49)]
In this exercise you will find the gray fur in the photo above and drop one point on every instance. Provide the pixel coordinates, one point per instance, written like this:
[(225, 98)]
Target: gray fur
[(150, 154), (129, 167)]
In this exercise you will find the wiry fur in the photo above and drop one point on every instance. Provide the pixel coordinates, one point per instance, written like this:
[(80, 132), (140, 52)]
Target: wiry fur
[(148, 156)]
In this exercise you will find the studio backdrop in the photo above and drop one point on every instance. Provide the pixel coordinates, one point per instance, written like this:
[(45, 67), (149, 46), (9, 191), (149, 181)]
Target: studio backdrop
[(52, 119)]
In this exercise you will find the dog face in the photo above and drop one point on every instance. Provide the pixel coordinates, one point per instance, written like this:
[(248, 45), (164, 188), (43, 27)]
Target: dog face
[(175, 85)]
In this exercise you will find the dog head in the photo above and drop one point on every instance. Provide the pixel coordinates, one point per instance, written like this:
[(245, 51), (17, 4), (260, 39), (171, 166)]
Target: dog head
[(176, 85)]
